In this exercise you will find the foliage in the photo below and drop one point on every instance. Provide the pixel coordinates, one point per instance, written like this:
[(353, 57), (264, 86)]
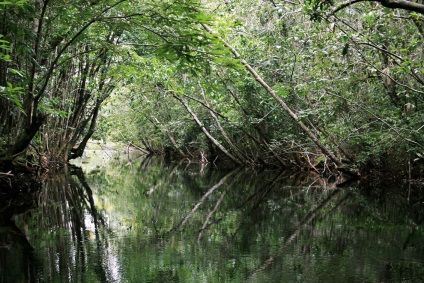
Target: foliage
[(149, 73)]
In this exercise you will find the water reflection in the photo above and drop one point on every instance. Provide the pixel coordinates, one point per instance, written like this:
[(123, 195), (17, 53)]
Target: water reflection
[(151, 221)]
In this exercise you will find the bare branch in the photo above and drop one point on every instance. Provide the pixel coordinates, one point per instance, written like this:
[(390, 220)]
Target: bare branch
[(393, 4), (346, 4)]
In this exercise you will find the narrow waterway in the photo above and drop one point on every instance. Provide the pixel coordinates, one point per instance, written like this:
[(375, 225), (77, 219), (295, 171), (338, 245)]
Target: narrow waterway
[(145, 220)]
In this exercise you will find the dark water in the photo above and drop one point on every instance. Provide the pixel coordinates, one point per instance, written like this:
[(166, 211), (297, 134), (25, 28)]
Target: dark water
[(149, 221)]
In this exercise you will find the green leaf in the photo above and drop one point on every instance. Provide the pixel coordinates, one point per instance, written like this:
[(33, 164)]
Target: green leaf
[(321, 159), (11, 93), (16, 72)]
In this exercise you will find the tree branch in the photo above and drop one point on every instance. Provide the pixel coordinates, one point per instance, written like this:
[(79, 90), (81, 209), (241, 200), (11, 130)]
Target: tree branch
[(403, 4), (346, 4), (393, 4)]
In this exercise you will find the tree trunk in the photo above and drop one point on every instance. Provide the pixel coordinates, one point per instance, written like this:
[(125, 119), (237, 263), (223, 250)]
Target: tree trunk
[(263, 141), (208, 135), (171, 138), (23, 140), (221, 129), (280, 101), (77, 152)]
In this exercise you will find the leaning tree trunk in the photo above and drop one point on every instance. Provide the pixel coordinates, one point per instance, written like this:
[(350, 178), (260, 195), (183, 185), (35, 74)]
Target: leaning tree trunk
[(208, 135), (262, 142), (23, 140), (280, 101), (235, 149)]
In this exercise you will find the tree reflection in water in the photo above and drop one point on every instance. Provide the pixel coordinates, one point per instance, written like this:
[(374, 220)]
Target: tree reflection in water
[(65, 229), (150, 221)]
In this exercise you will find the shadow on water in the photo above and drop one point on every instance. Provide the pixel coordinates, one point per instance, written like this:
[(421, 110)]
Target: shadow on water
[(145, 220)]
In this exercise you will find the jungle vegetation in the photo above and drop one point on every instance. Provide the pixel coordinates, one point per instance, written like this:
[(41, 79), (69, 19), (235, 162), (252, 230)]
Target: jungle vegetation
[(311, 84)]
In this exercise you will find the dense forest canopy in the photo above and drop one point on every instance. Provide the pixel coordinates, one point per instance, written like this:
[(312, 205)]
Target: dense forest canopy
[(311, 84)]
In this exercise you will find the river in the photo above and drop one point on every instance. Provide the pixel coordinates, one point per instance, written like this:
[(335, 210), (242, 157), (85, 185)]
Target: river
[(147, 220)]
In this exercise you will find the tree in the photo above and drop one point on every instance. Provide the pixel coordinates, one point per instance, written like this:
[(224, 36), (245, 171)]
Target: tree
[(349, 80), (68, 55)]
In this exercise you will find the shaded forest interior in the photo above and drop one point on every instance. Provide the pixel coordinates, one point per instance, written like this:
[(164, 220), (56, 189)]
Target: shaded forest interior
[(331, 87)]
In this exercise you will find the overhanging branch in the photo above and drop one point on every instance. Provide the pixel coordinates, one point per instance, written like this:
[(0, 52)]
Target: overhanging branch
[(393, 4)]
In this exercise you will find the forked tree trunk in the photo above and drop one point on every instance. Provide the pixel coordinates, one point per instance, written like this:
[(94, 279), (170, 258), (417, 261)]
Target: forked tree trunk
[(235, 149), (206, 132)]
